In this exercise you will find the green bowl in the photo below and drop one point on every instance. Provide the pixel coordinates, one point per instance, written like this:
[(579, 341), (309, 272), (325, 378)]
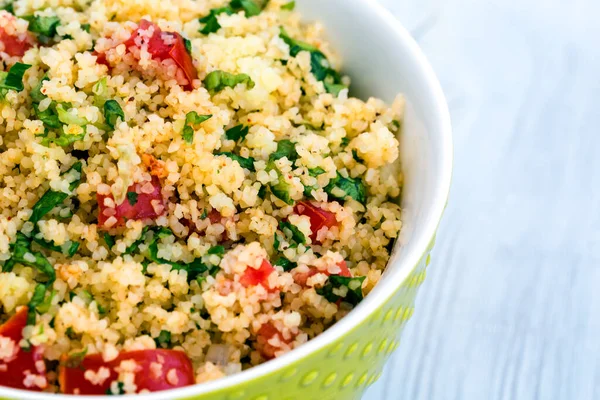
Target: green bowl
[(341, 363)]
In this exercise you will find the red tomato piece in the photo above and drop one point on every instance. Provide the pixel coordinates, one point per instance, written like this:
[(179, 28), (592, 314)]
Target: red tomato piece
[(15, 46), (143, 208), (24, 369), (164, 45), (155, 370), (318, 217), (265, 333), (260, 276), (301, 277)]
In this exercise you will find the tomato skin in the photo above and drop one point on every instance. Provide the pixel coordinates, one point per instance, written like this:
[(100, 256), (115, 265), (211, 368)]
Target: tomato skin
[(73, 381), (260, 276), (16, 46), (13, 375), (301, 277), (160, 50), (265, 333), (142, 209), (319, 218)]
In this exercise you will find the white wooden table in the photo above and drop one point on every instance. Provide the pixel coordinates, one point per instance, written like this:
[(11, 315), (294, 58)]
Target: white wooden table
[(511, 305)]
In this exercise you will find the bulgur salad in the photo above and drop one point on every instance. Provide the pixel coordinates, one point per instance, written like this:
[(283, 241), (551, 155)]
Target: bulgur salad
[(186, 191)]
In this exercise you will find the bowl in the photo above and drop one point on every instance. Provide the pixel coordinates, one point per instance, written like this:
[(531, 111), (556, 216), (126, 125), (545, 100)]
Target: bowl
[(382, 60)]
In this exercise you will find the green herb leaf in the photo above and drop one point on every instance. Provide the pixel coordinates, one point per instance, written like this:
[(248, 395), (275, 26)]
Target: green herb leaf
[(276, 242), (247, 163), (193, 269), (135, 245), (39, 294), (86, 27), (219, 80), (289, 6), (237, 132), (211, 24), (63, 140), (132, 198), (331, 291), (292, 232), (251, 7), (320, 66), (45, 27), (69, 118), (340, 188), (109, 240), (14, 78), (281, 189), (21, 253), (192, 120), (112, 113), (285, 148), (73, 249), (51, 198), (120, 390), (9, 7), (216, 250), (164, 339), (45, 305), (286, 264), (188, 45)]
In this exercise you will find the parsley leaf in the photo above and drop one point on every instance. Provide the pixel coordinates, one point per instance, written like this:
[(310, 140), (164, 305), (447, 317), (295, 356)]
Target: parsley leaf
[(285, 148), (219, 80), (112, 113), (339, 188), (45, 27), (237, 132), (320, 66), (22, 254), (51, 198), (286, 264), (251, 7), (164, 339), (343, 288), (39, 293), (289, 6), (132, 198), (192, 119), (247, 163), (14, 77), (216, 250), (281, 189), (211, 24), (292, 231), (109, 240)]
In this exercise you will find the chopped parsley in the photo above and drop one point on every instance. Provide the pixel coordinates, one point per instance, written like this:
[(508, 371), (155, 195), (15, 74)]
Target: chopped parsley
[(247, 163), (164, 339), (113, 112), (52, 198), (250, 7), (320, 66), (109, 240), (281, 189), (216, 250), (13, 79), (343, 288), (219, 80), (286, 264), (44, 27), (237, 133), (289, 6), (211, 24), (132, 198), (21, 253), (192, 120), (340, 188), (292, 232), (285, 148), (39, 294)]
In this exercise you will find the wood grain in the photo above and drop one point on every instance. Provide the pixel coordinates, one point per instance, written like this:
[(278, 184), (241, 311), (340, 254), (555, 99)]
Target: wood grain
[(510, 308)]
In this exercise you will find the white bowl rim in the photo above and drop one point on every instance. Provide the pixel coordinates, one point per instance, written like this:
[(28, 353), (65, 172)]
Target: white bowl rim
[(380, 294)]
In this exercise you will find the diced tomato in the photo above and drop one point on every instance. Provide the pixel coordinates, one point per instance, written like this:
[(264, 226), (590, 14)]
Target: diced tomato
[(260, 276), (143, 207), (101, 58), (301, 277), (319, 218), (15, 46), (154, 371), (265, 333), (163, 45), (24, 369)]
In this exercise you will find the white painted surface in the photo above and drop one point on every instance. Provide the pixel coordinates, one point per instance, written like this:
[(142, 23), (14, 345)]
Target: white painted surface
[(511, 305)]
